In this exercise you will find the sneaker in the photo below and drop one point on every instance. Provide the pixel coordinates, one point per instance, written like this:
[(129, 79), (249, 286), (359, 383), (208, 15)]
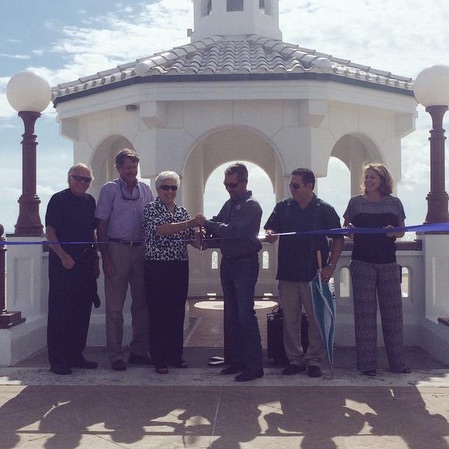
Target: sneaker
[(249, 374), (314, 371), (293, 369), (118, 365)]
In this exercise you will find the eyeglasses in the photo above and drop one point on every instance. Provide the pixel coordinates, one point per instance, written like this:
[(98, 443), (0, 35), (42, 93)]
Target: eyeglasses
[(295, 185), (166, 188), (81, 178), (231, 185)]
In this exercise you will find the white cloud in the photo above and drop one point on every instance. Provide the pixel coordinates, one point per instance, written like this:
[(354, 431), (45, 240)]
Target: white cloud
[(402, 36), (125, 35), (4, 55)]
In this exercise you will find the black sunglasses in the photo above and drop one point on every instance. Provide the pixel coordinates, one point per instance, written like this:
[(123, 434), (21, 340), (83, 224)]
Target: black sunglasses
[(129, 196), (81, 178), (295, 186), (166, 188)]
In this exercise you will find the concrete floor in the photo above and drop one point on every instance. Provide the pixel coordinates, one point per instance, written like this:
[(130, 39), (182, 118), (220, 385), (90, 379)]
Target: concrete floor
[(199, 408)]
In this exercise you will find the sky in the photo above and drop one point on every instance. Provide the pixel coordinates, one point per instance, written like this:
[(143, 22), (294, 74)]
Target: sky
[(64, 41)]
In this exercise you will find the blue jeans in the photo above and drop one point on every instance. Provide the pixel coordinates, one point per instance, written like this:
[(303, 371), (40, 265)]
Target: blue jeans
[(238, 279)]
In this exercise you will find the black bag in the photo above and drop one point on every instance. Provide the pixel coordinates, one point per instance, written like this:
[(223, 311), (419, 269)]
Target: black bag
[(275, 340)]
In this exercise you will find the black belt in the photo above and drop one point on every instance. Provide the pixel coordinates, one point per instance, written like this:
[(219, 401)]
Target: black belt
[(126, 242), (241, 256)]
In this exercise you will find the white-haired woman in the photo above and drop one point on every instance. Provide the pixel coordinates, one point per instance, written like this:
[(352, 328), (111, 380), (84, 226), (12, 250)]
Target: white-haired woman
[(168, 230)]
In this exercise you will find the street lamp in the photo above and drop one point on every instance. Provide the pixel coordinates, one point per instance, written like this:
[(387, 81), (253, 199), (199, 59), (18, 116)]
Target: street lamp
[(432, 91), (29, 95)]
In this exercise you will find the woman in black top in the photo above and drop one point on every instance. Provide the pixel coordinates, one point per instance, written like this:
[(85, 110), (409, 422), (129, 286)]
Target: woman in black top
[(374, 271)]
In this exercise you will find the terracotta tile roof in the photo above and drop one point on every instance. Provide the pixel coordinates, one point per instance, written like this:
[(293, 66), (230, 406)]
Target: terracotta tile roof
[(216, 58)]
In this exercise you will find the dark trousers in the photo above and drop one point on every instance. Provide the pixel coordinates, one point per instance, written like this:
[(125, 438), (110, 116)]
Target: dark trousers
[(166, 285), (69, 307), (373, 285), (238, 280)]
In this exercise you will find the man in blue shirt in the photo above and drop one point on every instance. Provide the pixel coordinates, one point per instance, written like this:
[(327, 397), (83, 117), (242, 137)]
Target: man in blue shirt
[(236, 230), (119, 214)]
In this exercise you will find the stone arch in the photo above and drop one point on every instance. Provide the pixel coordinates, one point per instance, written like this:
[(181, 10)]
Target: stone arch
[(103, 163), (214, 148), (225, 144), (354, 150)]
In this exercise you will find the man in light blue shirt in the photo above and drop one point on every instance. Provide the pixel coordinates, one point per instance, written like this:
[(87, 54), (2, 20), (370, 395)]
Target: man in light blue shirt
[(119, 213)]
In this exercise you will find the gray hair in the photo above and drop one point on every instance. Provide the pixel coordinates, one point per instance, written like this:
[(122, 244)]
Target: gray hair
[(163, 176), (80, 165)]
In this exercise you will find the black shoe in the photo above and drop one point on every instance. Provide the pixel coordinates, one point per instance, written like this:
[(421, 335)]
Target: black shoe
[(232, 369), (118, 365), (370, 373), (293, 369), (249, 374), (84, 364), (161, 368), (314, 371), (60, 369), (139, 359)]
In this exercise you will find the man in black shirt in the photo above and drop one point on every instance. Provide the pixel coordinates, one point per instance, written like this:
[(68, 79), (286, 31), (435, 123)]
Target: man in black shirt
[(297, 265), (73, 272)]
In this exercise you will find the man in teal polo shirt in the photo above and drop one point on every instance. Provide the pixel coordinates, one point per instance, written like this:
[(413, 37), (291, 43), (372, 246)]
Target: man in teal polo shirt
[(297, 265)]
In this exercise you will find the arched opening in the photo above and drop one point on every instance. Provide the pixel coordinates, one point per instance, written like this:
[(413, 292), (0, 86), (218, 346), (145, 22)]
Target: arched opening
[(103, 161), (215, 195), (335, 188), (259, 183)]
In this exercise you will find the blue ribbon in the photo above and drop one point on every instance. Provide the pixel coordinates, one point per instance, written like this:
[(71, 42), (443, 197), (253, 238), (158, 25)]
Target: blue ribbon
[(427, 228), (424, 228)]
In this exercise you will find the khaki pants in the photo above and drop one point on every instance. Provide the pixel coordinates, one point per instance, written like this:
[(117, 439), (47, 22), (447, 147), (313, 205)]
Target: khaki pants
[(293, 297), (129, 271)]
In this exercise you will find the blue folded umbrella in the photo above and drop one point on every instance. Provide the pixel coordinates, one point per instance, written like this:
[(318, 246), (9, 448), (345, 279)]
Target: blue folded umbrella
[(323, 302)]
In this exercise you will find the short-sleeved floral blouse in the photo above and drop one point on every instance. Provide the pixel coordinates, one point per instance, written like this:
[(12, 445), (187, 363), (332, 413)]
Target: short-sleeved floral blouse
[(165, 247)]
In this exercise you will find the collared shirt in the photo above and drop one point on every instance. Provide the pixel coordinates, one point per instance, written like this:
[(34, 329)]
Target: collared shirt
[(237, 226), (122, 211), (297, 259), (165, 247)]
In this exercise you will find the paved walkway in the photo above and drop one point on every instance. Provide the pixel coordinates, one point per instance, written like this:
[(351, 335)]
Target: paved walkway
[(199, 408)]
